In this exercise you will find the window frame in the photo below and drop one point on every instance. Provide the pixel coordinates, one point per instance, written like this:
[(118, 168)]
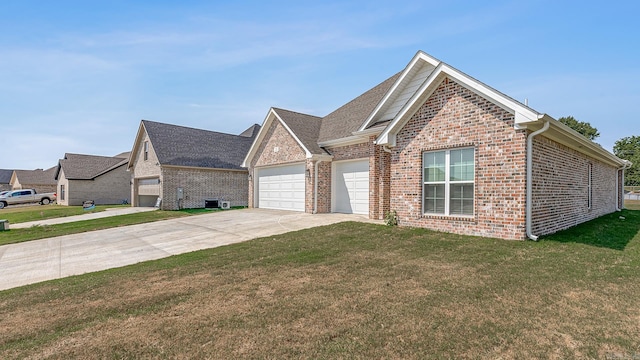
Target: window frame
[(447, 182), (62, 192), (146, 150)]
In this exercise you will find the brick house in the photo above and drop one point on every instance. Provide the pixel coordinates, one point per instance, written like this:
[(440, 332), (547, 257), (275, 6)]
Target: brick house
[(5, 179), (103, 179), (42, 181), (444, 151), (184, 166)]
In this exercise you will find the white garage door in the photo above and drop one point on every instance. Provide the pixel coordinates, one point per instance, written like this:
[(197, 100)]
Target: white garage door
[(281, 187), (351, 187)]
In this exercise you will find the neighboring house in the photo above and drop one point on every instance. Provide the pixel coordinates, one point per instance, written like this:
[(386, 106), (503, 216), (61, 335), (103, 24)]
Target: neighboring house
[(183, 166), (42, 181), (5, 179), (102, 179), (444, 151)]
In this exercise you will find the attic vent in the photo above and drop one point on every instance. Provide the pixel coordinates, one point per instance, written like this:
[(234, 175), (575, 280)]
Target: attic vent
[(276, 149)]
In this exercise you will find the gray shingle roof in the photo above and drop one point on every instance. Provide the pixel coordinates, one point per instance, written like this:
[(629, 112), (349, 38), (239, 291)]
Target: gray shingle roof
[(252, 131), (37, 177), (348, 118), (184, 146), (306, 128), (5, 176), (86, 167)]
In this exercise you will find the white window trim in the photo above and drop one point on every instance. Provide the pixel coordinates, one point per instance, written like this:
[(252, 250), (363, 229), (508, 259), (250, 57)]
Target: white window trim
[(447, 183)]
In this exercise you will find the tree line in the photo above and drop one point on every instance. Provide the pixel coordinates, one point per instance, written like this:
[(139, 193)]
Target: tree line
[(627, 148)]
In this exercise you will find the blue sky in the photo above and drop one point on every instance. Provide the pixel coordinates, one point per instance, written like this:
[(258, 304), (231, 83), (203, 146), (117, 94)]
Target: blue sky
[(78, 76)]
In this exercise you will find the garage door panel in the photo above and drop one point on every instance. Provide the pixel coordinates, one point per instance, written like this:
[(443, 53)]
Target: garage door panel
[(351, 187), (282, 187)]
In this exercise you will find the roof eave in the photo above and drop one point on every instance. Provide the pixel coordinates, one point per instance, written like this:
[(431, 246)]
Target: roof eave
[(420, 55)]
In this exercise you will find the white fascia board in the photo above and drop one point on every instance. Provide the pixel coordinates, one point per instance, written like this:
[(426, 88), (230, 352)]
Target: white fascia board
[(256, 142), (522, 113), (401, 118), (585, 143), (419, 56), (350, 140), (136, 143)]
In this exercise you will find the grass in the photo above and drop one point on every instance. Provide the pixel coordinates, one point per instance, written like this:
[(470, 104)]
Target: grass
[(349, 290), (22, 214)]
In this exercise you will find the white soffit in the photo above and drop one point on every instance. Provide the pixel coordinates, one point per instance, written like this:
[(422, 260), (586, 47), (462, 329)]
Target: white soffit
[(413, 75), (522, 113)]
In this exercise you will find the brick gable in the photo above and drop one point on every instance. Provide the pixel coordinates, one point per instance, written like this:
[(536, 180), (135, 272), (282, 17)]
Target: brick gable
[(277, 148), (454, 116)]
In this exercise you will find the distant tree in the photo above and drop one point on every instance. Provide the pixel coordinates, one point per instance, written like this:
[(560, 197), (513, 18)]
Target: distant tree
[(582, 127), (628, 148)]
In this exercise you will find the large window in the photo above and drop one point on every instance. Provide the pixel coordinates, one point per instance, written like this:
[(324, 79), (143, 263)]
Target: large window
[(448, 180)]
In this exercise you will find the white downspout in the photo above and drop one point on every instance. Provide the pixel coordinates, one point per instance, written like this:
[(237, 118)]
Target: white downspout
[(529, 206), (315, 186), (625, 167)]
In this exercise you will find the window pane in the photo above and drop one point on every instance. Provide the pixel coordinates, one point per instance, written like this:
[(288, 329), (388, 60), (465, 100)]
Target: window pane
[(461, 202), (434, 198), (434, 167), (461, 168)]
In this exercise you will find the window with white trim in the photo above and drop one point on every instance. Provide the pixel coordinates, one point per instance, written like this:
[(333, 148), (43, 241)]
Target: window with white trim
[(448, 182), (146, 150)]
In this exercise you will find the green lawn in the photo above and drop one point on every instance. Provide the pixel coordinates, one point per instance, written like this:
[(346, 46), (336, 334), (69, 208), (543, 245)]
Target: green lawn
[(22, 214), (349, 290)]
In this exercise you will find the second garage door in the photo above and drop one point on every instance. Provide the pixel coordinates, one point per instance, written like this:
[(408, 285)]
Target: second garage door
[(281, 187), (351, 187)]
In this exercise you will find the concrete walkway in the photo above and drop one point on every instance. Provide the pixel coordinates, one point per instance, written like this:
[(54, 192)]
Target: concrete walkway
[(46, 259), (87, 216)]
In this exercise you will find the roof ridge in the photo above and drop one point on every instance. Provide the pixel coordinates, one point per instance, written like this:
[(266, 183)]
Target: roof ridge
[(191, 128), (296, 112)]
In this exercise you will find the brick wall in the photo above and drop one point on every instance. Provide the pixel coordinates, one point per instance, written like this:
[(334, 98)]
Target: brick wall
[(110, 188), (278, 147), (144, 169), (454, 117), (560, 187), (200, 184)]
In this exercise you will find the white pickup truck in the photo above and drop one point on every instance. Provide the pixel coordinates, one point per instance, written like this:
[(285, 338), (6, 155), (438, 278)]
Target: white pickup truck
[(25, 196)]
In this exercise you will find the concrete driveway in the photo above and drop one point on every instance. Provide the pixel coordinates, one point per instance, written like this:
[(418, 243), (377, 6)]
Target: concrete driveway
[(40, 260)]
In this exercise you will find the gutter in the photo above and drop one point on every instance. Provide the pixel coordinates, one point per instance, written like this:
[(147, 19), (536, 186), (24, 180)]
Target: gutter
[(627, 165), (529, 206)]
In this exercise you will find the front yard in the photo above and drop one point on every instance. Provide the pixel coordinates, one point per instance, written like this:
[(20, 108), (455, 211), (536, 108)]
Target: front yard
[(349, 290)]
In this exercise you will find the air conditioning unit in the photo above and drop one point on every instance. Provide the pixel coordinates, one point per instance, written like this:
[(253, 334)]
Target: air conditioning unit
[(225, 204)]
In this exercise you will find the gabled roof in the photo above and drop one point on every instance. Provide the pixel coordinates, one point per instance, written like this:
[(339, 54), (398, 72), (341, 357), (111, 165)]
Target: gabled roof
[(5, 176), (37, 177), (176, 145), (87, 167), (348, 118), (305, 127), (525, 117), (302, 127), (387, 107), (251, 132)]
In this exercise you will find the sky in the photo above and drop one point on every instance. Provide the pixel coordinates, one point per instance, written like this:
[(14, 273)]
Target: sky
[(78, 76)]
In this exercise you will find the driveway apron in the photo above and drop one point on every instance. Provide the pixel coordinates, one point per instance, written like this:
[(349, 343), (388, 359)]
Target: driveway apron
[(46, 259)]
